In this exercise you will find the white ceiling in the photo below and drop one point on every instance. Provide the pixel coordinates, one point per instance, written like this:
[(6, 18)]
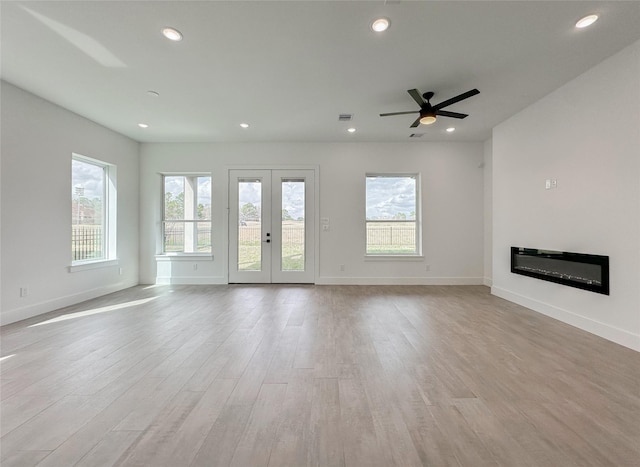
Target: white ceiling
[(289, 68)]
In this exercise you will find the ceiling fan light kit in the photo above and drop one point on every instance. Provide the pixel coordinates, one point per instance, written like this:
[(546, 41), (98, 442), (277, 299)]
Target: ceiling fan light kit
[(428, 119), (429, 113)]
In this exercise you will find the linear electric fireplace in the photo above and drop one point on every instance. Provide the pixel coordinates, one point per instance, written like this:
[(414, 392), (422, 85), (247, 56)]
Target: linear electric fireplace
[(588, 272)]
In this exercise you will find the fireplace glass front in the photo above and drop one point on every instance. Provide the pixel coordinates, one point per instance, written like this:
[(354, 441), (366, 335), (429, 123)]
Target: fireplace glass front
[(583, 271)]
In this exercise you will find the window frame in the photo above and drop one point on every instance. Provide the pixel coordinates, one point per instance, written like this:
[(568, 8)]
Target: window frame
[(417, 254), (109, 215), (195, 220)]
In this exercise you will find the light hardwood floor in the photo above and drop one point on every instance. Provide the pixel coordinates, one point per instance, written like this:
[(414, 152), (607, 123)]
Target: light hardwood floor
[(313, 375)]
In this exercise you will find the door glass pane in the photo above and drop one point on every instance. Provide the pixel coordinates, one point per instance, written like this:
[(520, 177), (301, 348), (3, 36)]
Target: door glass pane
[(292, 233), (250, 220)]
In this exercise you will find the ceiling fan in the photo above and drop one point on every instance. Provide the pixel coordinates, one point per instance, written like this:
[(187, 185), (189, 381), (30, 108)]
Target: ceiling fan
[(428, 112)]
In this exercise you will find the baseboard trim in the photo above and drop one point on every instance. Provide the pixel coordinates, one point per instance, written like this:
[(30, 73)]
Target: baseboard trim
[(191, 280), (611, 333), (399, 280), (19, 314), (488, 281)]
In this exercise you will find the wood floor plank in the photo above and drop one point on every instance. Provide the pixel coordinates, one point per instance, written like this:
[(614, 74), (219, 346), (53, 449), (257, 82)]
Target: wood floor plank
[(19, 409), (357, 427), (432, 446), (162, 430), (24, 458), (326, 444), (495, 436), (561, 434), (292, 438), (51, 427), (256, 443), (468, 446), (219, 446), (109, 449), (180, 446), (281, 364)]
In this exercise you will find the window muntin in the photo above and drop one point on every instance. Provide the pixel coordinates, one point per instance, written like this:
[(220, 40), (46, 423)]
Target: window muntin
[(186, 214), (392, 207), (92, 210)]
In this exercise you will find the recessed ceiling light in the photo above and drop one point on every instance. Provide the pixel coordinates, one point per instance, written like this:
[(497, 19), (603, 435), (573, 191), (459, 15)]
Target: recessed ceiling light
[(244, 125), (172, 34), (351, 130), (143, 125), (586, 21), (450, 129), (380, 24), (153, 93)]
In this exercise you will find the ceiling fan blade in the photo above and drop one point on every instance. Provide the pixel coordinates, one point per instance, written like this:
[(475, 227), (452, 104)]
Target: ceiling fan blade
[(416, 123), (446, 113), (416, 96), (401, 113), (458, 98)]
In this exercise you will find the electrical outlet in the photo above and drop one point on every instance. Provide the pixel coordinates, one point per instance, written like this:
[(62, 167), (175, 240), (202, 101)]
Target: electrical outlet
[(428, 267), (547, 184), (120, 271), (325, 227), (342, 267), (24, 291), (554, 183), (195, 267)]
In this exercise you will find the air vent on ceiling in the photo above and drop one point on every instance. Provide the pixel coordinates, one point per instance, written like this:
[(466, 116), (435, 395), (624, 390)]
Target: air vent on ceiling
[(345, 117), (416, 135)]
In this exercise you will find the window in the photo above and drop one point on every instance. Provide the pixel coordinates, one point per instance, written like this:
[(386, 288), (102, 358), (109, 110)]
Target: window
[(93, 204), (186, 214), (392, 214)]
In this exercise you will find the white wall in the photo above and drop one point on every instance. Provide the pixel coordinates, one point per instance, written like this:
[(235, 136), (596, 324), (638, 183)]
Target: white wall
[(452, 197), (488, 212), (587, 136), (38, 139)]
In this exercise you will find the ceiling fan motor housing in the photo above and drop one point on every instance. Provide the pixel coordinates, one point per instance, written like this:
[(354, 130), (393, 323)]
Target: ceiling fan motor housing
[(428, 95)]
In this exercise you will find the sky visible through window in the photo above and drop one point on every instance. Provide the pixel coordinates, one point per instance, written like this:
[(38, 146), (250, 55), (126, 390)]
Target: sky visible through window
[(390, 197), (87, 179), (292, 195), (175, 186)]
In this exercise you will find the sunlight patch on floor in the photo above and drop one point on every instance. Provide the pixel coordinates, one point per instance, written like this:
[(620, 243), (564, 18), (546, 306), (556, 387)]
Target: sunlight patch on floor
[(154, 286), (95, 311)]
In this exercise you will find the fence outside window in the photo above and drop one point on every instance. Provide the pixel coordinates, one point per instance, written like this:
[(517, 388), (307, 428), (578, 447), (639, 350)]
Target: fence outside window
[(86, 242), (391, 237), (174, 240)]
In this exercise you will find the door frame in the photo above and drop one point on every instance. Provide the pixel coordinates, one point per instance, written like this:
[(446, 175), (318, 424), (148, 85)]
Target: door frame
[(316, 208)]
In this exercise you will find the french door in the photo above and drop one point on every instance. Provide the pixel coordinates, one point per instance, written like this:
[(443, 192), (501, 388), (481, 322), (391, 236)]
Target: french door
[(271, 226)]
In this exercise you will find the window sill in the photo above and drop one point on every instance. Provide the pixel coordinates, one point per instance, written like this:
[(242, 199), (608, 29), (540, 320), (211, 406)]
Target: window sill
[(394, 258), (103, 263), (185, 257)]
